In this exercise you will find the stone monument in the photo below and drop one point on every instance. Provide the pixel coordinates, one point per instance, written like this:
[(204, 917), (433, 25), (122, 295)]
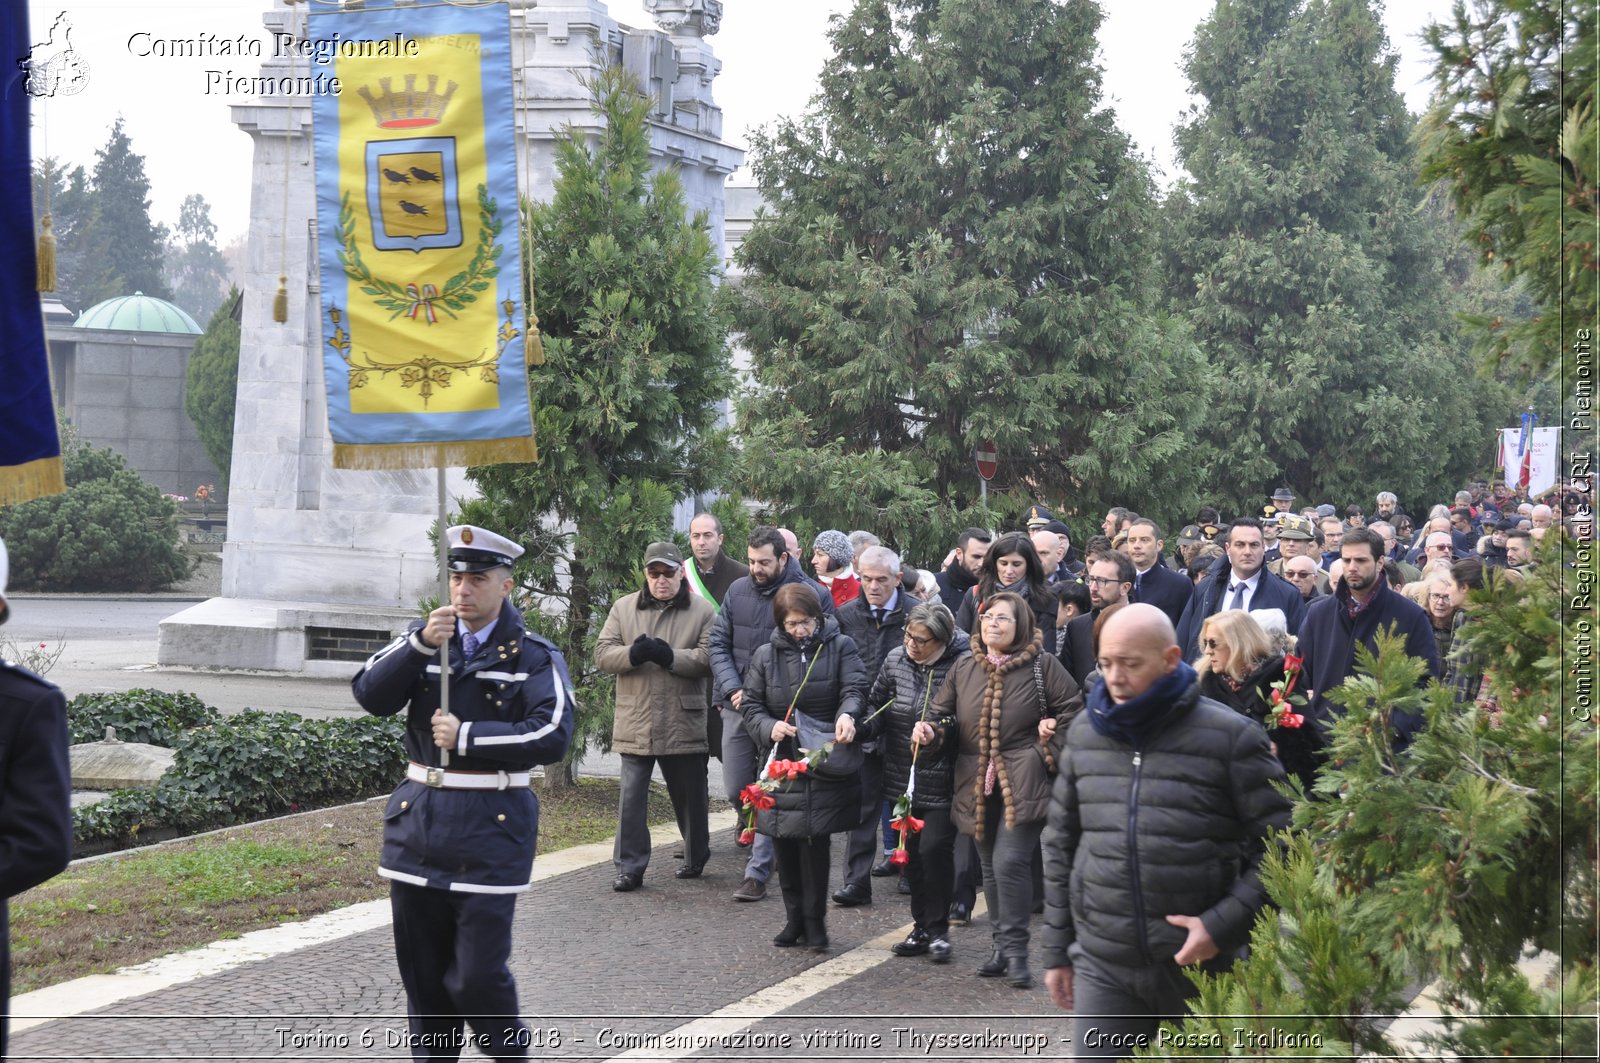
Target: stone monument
[(322, 565)]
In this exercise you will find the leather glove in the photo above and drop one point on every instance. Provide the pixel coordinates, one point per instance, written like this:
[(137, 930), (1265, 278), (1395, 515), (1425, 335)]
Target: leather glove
[(639, 652), (660, 652)]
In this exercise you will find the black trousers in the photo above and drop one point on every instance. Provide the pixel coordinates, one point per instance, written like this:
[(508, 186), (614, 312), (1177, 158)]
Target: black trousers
[(452, 950), (685, 775), (1117, 1009), (803, 876), (931, 871)]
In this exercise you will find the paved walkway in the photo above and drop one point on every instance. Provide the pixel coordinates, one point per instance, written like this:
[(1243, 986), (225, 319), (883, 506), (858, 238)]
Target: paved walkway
[(674, 970)]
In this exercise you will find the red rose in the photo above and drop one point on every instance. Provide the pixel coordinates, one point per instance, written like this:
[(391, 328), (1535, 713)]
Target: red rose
[(899, 858), (776, 769), (747, 837), (1291, 663), (1277, 697)]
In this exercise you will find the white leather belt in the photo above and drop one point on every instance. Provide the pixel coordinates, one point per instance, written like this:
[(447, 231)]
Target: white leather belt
[(440, 779)]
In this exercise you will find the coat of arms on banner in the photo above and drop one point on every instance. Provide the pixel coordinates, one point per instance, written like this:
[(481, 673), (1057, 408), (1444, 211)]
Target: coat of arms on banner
[(422, 301)]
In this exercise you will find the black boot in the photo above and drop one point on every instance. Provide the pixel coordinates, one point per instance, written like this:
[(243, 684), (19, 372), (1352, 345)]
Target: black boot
[(993, 967), (817, 935), (1017, 974), (792, 934)]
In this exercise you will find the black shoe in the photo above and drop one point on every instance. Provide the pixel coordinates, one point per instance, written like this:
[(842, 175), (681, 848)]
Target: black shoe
[(816, 935), (791, 935), (1017, 974), (994, 967), (904, 886), (939, 950), (883, 868), (960, 914), (689, 871), (850, 895), (915, 944), (627, 883)]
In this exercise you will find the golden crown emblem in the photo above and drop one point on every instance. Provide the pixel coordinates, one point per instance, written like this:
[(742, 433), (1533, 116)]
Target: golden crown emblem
[(411, 107)]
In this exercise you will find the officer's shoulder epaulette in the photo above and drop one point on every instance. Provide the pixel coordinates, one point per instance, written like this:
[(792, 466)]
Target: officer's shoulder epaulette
[(539, 640), (9, 668)]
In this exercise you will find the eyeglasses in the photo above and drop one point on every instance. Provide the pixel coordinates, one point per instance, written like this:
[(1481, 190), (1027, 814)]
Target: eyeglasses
[(656, 573), (799, 625), (998, 618), (1210, 644), (1102, 581), (1301, 575), (1440, 598), (918, 641)]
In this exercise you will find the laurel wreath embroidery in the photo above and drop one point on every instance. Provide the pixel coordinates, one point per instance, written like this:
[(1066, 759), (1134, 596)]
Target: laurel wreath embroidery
[(419, 298), (423, 372)]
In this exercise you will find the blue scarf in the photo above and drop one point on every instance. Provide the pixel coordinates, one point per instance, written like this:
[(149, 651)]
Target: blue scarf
[(1133, 719)]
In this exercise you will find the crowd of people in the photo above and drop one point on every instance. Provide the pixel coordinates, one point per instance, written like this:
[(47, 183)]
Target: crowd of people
[(1092, 736)]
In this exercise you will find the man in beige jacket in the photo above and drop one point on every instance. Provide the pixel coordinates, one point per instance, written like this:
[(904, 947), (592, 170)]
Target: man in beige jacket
[(655, 642)]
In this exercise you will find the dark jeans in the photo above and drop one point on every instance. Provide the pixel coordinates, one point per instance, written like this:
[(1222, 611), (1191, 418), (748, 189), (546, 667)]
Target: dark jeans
[(1116, 1009), (1007, 857), (685, 776), (968, 872), (931, 871), (452, 950)]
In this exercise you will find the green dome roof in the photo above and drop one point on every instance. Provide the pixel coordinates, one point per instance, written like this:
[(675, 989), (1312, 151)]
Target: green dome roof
[(137, 313)]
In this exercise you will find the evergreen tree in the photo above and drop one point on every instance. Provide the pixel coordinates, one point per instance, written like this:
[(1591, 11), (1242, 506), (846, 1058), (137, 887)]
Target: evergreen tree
[(195, 268), (627, 401), (958, 248), (1447, 861), (1309, 275), (1513, 135), (120, 248), (64, 194), (211, 390)]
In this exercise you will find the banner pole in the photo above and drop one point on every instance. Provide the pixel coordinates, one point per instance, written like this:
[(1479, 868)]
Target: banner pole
[(444, 599)]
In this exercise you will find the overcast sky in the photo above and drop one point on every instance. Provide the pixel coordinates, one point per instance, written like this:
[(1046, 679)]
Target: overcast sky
[(771, 52)]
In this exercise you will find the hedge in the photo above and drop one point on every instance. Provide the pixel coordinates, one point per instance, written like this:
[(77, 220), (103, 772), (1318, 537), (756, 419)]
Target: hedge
[(230, 769)]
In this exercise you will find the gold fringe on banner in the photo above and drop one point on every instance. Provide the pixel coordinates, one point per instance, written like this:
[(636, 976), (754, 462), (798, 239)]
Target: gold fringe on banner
[(30, 480), (453, 455), (46, 271)]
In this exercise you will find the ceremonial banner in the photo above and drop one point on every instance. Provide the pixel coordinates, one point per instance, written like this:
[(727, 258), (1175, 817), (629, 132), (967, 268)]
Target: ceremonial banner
[(422, 303), (1536, 466), (30, 450)]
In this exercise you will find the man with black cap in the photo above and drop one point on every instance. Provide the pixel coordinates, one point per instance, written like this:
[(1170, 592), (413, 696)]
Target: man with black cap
[(459, 833), (656, 642), (35, 790)]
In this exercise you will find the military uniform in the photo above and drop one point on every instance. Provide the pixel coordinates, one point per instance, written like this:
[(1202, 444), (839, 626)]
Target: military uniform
[(460, 831)]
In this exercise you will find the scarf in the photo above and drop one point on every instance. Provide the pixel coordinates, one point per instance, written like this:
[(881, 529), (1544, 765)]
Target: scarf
[(991, 765), (1133, 719)]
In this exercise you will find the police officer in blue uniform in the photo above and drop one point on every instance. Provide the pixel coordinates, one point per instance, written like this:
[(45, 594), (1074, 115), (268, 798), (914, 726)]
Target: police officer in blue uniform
[(459, 832), (35, 791)]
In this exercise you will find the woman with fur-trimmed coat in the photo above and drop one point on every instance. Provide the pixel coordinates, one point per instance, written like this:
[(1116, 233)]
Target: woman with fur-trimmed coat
[(1011, 704)]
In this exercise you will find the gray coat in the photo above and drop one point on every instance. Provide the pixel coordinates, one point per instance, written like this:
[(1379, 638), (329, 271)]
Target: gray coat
[(1176, 827)]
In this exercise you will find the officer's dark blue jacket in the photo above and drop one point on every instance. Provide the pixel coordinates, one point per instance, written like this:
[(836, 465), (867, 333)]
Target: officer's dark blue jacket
[(515, 702), (35, 796)]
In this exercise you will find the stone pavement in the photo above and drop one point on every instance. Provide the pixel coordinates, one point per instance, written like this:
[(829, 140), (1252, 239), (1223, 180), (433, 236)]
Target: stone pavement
[(600, 974)]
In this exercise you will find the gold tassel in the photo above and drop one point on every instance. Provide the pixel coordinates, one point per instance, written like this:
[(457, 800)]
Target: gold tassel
[(46, 260), (280, 301)]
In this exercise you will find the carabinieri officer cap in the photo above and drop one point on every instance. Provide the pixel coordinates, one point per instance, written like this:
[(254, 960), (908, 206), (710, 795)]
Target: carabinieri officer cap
[(476, 550)]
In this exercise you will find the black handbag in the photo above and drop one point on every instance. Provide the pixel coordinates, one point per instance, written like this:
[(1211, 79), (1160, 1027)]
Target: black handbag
[(845, 760)]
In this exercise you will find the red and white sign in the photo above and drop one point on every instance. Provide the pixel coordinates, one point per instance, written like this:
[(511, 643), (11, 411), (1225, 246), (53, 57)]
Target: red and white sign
[(1535, 470), (988, 459)]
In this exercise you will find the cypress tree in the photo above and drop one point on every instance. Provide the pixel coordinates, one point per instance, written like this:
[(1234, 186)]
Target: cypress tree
[(1311, 279), (958, 247), (121, 249)]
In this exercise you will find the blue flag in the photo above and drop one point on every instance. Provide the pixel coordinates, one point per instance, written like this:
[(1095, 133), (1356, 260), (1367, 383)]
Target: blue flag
[(30, 449)]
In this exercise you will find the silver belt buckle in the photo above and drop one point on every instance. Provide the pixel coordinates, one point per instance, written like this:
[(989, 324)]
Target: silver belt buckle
[(435, 778)]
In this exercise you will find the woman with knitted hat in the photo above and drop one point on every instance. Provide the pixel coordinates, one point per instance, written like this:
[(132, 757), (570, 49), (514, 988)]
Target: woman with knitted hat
[(831, 558), (1011, 704)]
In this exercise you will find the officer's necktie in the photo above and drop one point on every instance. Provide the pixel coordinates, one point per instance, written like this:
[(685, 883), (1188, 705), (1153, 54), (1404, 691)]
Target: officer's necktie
[(469, 646), (1238, 596)]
